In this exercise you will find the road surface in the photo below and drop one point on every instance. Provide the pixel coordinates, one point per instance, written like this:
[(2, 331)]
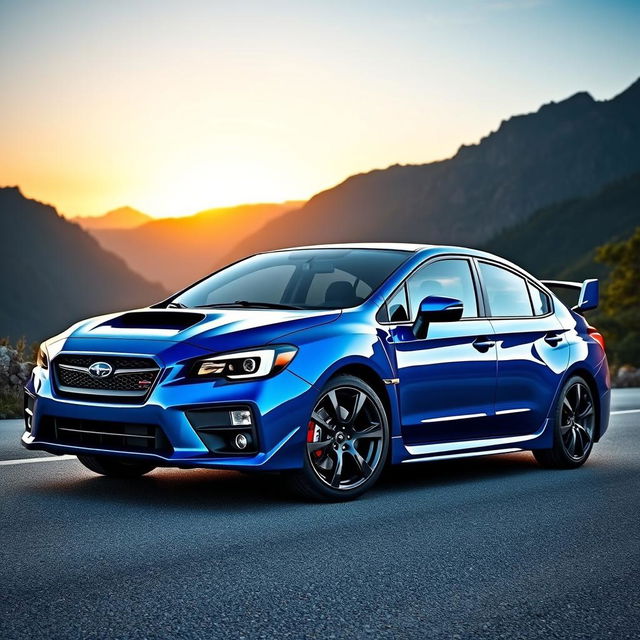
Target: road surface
[(484, 548)]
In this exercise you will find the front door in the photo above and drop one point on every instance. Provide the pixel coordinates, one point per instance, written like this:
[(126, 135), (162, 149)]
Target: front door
[(447, 381), (447, 384)]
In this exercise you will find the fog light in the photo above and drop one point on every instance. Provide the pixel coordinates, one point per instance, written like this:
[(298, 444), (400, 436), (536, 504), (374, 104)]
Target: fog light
[(240, 418), (241, 441)]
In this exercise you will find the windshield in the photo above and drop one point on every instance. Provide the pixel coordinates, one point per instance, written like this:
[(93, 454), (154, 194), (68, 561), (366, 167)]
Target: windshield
[(303, 279)]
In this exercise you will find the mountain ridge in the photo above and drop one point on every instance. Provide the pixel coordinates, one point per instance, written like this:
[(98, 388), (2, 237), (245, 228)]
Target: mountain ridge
[(121, 218), (194, 243), (55, 273), (567, 233), (564, 149)]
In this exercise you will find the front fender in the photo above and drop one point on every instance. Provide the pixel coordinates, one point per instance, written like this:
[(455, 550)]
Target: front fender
[(328, 349), (351, 348)]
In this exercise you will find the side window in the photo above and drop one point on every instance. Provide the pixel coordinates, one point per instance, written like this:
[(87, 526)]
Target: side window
[(507, 292), (540, 301), (397, 307), (449, 278)]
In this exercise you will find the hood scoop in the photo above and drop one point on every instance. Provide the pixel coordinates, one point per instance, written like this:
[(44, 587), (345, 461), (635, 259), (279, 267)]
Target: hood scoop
[(164, 323)]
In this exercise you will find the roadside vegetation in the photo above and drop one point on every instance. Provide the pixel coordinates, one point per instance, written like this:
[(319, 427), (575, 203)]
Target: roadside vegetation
[(16, 363), (619, 314)]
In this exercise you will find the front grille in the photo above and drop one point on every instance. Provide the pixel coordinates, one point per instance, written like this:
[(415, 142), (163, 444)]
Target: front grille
[(99, 434), (117, 382), (117, 362), (130, 380)]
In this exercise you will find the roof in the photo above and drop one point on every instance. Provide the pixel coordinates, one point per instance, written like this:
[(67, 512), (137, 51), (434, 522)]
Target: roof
[(409, 247), (393, 246), (429, 249)]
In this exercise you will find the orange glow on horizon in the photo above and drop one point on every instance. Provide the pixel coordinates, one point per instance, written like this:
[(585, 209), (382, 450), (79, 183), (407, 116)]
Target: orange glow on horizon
[(173, 108)]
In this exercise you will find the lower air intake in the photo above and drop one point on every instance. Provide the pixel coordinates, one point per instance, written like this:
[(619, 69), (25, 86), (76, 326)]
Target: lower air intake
[(98, 434)]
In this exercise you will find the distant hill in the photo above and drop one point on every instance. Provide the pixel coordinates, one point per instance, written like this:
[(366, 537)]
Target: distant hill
[(122, 218), (564, 150), (558, 242), (177, 251), (54, 273)]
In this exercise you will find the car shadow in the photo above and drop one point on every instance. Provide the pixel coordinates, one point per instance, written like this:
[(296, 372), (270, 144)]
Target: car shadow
[(460, 471), (207, 489)]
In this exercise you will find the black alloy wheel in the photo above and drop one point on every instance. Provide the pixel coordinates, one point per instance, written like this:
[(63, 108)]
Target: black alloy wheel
[(575, 427), (577, 421), (347, 442)]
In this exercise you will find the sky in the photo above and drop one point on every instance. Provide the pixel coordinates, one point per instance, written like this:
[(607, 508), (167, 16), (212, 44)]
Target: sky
[(177, 106)]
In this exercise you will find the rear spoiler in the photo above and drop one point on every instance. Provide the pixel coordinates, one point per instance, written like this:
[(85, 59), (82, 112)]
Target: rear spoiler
[(589, 292)]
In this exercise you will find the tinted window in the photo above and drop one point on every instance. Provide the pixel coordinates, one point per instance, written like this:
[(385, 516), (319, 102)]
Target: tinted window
[(540, 301), (448, 278), (253, 285), (507, 292), (321, 282), (397, 307), (307, 278)]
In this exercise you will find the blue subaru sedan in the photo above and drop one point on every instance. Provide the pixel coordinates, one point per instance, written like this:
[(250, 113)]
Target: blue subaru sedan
[(327, 363)]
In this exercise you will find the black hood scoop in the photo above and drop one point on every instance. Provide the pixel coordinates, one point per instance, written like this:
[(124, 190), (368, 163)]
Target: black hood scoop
[(153, 320)]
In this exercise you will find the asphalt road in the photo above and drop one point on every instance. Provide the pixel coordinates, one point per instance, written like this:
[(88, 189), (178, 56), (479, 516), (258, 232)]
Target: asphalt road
[(484, 548)]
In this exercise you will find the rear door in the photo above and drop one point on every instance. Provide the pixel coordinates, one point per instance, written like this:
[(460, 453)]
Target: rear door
[(531, 348)]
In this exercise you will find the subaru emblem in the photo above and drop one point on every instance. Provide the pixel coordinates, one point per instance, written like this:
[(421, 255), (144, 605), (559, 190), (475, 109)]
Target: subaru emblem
[(100, 369)]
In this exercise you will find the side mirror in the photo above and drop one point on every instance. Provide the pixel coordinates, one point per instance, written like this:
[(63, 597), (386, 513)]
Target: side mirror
[(435, 309)]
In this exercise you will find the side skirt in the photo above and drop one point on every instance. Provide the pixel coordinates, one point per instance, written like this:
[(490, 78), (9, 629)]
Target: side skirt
[(468, 454), (469, 448)]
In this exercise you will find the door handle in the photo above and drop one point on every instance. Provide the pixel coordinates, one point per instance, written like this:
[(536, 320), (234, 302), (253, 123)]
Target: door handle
[(483, 344), (553, 339)]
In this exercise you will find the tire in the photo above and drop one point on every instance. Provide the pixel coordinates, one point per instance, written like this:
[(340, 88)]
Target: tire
[(574, 427), (115, 467), (347, 443)]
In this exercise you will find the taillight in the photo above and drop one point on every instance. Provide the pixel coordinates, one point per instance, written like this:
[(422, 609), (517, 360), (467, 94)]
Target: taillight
[(596, 335)]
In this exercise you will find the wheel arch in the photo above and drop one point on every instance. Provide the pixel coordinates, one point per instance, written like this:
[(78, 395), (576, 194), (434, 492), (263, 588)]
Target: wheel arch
[(372, 378), (590, 379)]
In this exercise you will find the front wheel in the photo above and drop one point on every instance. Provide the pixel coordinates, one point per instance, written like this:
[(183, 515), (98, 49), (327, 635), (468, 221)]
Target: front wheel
[(115, 467), (574, 428), (347, 442)]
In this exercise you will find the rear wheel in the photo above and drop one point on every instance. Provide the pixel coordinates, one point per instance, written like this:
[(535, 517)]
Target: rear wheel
[(116, 467), (347, 442), (574, 429)]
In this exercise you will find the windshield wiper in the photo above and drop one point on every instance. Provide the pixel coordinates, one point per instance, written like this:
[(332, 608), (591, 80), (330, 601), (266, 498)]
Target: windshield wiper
[(176, 305), (246, 304)]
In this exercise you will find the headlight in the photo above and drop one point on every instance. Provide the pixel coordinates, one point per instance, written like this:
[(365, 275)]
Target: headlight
[(243, 365), (42, 359)]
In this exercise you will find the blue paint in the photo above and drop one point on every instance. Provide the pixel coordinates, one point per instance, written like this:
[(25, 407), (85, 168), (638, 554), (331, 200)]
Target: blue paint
[(470, 379)]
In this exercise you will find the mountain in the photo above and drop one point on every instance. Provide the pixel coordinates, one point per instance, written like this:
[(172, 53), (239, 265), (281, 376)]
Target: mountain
[(122, 218), (558, 242), (54, 273), (177, 251), (564, 150)]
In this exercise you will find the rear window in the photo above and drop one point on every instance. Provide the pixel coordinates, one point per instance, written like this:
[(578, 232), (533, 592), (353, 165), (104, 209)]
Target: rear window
[(507, 292), (539, 300)]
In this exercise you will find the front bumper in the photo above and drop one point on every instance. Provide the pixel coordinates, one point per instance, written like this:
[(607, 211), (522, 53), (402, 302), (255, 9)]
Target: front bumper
[(280, 406)]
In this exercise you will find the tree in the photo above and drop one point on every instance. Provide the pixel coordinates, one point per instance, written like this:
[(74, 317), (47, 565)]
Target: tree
[(619, 318)]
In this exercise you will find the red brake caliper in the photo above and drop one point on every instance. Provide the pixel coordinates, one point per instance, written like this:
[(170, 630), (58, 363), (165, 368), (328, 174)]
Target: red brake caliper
[(314, 433)]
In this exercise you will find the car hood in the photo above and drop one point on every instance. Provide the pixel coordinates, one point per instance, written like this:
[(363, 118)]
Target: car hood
[(153, 330)]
